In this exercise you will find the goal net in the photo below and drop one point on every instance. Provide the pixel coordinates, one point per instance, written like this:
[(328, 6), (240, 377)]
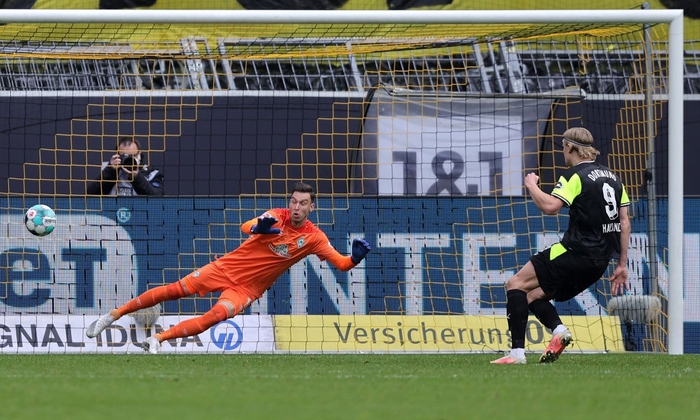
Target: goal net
[(416, 130)]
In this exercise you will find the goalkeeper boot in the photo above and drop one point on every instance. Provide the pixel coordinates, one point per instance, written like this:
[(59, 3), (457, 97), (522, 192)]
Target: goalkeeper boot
[(94, 329), (509, 359), (151, 345), (556, 347)]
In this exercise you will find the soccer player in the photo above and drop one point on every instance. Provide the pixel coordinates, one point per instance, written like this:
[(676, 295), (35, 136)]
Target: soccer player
[(599, 230), (279, 239)]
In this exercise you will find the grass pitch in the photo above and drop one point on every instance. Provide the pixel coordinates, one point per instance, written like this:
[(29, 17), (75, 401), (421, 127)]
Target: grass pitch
[(613, 386)]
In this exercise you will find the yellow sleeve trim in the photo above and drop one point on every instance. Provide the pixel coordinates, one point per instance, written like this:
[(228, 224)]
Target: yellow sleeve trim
[(568, 190), (624, 200)]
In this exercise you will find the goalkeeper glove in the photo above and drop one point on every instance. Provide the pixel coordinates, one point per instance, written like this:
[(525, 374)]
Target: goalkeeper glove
[(264, 225), (360, 248)]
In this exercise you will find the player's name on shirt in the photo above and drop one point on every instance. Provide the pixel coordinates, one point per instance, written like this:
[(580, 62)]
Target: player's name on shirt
[(611, 227), (597, 173)]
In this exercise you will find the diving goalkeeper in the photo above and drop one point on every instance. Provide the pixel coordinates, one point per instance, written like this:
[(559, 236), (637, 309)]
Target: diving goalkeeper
[(279, 239)]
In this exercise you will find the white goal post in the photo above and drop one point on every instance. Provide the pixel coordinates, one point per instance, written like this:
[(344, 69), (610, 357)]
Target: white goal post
[(674, 18)]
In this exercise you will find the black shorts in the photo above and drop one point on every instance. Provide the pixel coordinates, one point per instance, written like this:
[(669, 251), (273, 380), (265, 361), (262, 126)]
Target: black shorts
[(567, 274)]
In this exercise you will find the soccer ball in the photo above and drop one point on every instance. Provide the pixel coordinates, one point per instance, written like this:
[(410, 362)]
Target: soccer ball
[(40, 220)]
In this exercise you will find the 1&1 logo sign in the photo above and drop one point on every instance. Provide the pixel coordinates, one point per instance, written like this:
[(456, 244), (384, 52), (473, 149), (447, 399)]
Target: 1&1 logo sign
[(226, 335)]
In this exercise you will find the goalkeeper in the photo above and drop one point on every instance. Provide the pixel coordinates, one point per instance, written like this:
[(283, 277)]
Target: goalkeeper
[(279, 239)]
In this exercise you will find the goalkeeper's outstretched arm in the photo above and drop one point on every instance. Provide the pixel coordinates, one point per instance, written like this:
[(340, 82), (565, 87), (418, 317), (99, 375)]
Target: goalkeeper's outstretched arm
[(360, 248)]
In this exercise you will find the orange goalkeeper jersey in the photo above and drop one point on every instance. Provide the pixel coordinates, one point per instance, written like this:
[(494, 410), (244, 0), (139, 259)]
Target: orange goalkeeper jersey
[(262, 258)]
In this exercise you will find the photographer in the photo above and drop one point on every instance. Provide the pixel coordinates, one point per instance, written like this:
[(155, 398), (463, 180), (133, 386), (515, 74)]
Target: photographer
[(127, 174)]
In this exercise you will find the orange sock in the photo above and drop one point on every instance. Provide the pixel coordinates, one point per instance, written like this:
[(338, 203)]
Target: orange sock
[(195, 325), (151, 297)]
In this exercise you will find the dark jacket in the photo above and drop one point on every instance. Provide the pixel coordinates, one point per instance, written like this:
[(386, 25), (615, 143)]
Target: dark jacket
[(148, 181)]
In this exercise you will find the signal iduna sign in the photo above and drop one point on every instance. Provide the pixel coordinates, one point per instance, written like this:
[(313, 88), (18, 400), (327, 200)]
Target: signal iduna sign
[(44, 334)]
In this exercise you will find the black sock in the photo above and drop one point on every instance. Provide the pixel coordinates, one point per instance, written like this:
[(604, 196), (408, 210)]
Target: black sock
[(546, 313), (516, 309)]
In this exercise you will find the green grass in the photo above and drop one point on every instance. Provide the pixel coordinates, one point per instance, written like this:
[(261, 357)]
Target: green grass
[(613, 386)]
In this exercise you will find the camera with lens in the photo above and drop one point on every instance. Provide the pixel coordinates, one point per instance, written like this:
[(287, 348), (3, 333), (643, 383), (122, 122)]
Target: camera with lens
[(129, 162)]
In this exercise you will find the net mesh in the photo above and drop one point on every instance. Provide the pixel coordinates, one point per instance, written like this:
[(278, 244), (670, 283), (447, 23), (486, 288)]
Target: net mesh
[(424, 152)]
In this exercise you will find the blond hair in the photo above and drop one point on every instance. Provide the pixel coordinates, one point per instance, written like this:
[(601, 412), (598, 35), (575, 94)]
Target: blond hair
[(581, 140)]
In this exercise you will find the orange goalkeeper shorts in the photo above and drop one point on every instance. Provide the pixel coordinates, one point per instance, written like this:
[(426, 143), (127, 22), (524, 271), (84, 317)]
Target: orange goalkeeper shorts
[(210, 279)]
